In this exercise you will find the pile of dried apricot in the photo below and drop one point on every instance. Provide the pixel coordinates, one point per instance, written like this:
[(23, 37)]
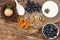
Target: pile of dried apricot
[(23, 22)]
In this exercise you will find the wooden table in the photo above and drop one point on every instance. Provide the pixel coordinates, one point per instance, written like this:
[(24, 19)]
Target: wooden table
[(10, 31)]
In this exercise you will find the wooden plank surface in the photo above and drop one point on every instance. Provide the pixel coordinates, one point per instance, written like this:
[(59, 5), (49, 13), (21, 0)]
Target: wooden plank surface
[(10, 30)]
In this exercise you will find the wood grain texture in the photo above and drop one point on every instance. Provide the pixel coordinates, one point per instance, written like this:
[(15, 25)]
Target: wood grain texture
[(10, 31)]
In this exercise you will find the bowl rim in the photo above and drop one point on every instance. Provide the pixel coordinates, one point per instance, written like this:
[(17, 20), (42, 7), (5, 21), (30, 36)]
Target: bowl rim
[(55, 26), (45, 4)]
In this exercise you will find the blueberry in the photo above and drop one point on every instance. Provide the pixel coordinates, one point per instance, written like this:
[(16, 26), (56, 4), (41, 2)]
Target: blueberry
[(32, 7), (36, 4), (38, 9), (50, 30), (29, 6), (32, 3), (54, 34), (28, 9), (28, 1)]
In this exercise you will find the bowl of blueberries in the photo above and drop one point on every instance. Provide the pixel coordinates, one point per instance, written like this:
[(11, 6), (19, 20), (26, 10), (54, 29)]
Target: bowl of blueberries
[(32, 6), (50, 30)]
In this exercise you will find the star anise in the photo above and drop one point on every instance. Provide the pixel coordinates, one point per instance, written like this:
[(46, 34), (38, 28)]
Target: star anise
[(47, 10)]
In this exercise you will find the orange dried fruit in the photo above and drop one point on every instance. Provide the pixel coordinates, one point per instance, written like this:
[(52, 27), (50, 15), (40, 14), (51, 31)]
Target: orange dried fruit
[(23, 22)]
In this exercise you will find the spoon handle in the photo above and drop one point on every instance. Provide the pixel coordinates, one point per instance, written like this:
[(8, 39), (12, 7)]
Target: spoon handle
[(16, 1)]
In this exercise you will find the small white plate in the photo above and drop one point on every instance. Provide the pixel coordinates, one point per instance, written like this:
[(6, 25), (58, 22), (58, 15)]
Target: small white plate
[(53, 9)]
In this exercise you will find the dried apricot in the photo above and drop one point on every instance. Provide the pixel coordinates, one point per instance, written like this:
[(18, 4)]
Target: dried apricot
[(24, 23)]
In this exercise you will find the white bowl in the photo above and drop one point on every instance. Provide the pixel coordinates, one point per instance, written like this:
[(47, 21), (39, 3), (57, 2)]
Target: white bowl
[(57, 32), (53, 9)]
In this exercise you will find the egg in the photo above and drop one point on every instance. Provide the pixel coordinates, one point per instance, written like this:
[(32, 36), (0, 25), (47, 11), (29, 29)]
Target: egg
[(8, 12)]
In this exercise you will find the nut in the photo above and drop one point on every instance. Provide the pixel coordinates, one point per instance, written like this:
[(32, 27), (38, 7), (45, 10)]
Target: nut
[(37, 18)]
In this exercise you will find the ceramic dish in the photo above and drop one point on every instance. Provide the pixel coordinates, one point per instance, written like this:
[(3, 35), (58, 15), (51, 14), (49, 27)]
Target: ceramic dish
[(11, 18), (55, 26), (50, 9)]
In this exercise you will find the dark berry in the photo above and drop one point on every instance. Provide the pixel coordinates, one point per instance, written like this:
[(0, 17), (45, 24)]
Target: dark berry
[(32, 7), (50, 30), (32, 3)]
